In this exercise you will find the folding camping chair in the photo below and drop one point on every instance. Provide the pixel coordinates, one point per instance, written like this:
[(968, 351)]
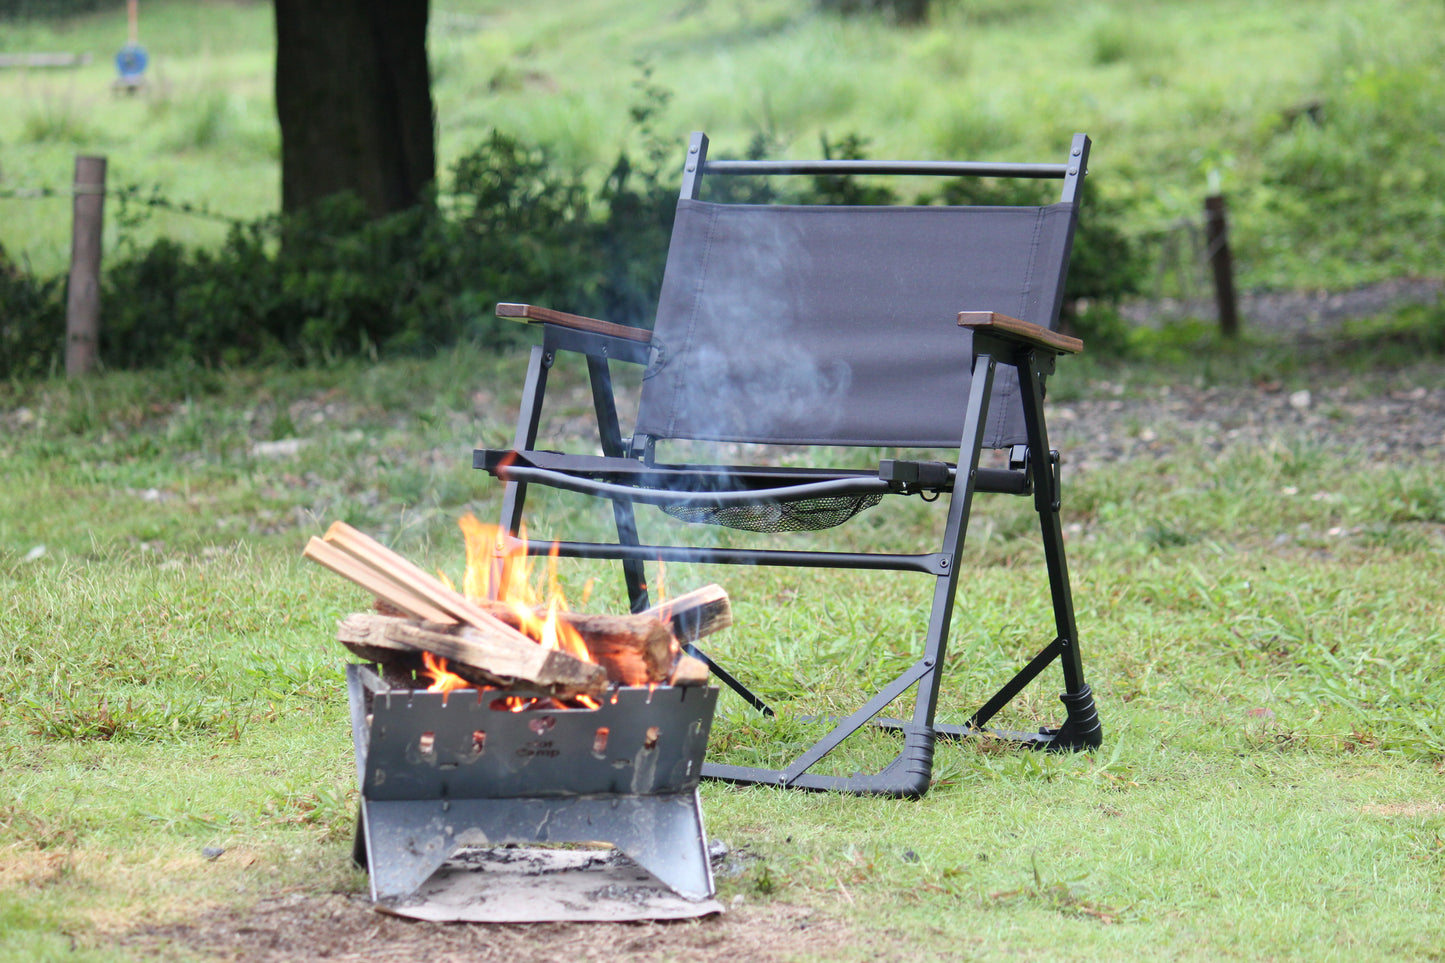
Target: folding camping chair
[(889, 327)]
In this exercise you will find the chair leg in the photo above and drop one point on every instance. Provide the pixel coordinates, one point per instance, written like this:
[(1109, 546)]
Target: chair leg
[(911, 771), (514, 494), (604, 403), (1081, 728)]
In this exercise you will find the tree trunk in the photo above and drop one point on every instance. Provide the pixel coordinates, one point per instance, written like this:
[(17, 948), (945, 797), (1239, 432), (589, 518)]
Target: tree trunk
[(353, 97)]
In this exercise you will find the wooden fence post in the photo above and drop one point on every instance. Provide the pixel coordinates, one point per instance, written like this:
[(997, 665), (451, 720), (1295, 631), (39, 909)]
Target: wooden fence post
[(82, 307), (1216, 237)]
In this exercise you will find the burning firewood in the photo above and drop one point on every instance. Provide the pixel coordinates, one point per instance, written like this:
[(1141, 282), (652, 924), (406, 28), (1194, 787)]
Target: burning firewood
[(477, 656), (697, 613), (643, 649), (489, 642)]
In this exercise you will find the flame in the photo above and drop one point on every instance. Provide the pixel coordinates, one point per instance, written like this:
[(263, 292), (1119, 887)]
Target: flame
[(500, 568), (443, 680)]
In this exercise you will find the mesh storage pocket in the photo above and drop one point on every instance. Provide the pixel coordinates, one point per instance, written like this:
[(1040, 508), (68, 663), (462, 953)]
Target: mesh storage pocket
[(803, 515)]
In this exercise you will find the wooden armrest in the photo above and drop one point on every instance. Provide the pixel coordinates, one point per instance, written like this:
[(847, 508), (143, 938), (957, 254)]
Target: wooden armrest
[(530, 312), (1019, 331)]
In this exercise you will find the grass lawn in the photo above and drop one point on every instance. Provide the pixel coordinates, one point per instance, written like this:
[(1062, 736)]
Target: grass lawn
[(1261, 620)]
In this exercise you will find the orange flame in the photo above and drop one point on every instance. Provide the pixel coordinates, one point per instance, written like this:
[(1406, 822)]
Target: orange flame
[(499, 567), (443, 680)]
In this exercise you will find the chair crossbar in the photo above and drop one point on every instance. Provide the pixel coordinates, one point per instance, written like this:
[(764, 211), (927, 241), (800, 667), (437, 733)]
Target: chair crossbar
[(922, 168), (738, 484), (695, 499)]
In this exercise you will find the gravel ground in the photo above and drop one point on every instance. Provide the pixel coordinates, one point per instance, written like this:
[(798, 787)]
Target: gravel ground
[(1389, 415), (1402, 421), (1310, 313)]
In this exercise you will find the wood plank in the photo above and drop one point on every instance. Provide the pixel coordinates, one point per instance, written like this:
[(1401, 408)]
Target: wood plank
[(350, 567), (401, 572), (369, 629), (501, 659), (531, 312), (1015, 330), (503, 656)]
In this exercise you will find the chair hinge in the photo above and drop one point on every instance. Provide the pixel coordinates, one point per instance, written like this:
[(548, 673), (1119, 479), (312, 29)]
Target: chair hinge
[(1047, 490), (1056, 479), (916, 477)]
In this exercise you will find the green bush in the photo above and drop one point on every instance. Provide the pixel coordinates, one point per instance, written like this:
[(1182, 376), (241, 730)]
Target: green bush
[(335, 283), (32, 321)]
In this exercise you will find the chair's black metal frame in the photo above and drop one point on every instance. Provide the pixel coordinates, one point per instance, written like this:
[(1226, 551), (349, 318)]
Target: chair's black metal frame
[(626, 474)]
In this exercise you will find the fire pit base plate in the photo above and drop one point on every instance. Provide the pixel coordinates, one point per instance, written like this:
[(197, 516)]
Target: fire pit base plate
[(533, 885)]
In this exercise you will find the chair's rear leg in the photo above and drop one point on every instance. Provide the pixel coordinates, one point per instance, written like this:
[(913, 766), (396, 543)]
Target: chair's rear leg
[(529, 416), (604, 403)]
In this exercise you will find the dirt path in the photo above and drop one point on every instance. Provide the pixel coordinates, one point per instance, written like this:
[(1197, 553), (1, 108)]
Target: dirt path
[(285, 929), (1400, 421), (1297, 312)]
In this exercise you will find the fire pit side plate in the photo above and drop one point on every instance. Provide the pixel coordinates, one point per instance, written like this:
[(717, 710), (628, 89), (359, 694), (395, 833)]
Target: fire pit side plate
[(443, 773), (408, 840), (423, 745)]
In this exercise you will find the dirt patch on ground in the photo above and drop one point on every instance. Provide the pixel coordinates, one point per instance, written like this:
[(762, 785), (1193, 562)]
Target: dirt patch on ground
[(1296, 313), (1400, 424), (345, 928), (1408, 809)]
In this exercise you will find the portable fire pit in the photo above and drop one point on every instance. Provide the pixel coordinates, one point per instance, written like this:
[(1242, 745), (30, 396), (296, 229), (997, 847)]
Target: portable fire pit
[(483, 722), (442, 772)]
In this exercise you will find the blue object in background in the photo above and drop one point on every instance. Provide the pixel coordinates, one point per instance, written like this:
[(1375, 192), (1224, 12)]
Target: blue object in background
[(131, 62)]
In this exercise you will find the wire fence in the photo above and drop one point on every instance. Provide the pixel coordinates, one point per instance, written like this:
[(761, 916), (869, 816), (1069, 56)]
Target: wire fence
[(1180, 252), (130, 195)]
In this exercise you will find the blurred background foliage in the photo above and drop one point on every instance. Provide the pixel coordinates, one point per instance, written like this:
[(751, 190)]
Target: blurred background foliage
[(560, 127)]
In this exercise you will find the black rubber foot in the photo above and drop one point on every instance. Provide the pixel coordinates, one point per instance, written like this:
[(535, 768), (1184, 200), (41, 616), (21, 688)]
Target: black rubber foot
[(1081, 728)]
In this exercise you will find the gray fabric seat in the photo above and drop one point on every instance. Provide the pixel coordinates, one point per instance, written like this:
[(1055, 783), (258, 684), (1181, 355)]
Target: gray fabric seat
[(839, 325)]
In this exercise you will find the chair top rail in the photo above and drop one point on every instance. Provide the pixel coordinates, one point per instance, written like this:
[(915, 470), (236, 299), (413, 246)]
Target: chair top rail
[(1070, 172), (934, 168)]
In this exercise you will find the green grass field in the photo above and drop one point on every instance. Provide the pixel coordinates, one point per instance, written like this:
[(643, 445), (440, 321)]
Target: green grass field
[(1262, 626), (1316, 120)]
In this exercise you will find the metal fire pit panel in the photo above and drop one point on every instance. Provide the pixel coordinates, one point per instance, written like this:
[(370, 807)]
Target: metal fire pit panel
[(443, 773), (427, 745), (407, 840)]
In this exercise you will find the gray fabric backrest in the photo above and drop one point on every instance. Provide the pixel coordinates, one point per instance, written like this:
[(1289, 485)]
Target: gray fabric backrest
[(824, 325)]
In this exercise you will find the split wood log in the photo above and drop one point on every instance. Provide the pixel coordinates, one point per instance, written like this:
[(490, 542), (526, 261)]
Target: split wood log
[(412, 581), (695, 614), (689, 617), (364, 635), (395, 596), (634, 649), (631, 647), (689, 671), (498, 659)]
